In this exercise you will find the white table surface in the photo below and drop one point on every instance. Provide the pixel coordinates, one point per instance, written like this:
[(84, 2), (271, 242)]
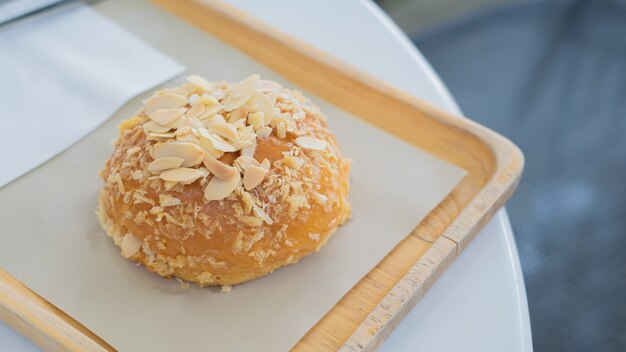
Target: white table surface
[(479, 304)]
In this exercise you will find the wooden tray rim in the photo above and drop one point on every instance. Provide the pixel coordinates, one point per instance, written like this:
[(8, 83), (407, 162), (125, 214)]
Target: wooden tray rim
[(54, 330)]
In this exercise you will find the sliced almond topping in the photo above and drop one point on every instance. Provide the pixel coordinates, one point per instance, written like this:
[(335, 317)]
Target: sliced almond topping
[(240, 93), (208, 112), (200, 83), (217, 141), (185, 89), (164, 101), (246, 133), (242, 144), (259, 102), (225, 130), (281, 129), (256, 119), (191, 153), (219, 94), (195, 111), (244, 161), (253, 176), (193, 99), (217, 118), (161, 136), (218, 189), (182, 175), (249, 150), (239, 124), (169, 162), (265, 164), (189, 137), (311, 143), (218, 168), (130, 245), (166, 116), (264, 132), (152, 126), (268, 86), (185, 121), (209, 99), (292, 162), (207, 145), (239, 113)]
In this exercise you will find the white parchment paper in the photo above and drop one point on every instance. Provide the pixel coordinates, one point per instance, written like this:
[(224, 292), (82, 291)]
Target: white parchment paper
[(52, 241), (62, 74)]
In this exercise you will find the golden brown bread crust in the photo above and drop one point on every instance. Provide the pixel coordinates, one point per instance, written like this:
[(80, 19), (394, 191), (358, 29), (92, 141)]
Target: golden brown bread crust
[(292, 213)]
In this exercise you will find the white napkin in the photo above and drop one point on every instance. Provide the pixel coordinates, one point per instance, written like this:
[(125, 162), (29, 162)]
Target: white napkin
[(63, 73)]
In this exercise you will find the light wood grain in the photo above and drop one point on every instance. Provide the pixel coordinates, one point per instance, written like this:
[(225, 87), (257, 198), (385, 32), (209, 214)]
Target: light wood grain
[(41, 322), (369, 311)]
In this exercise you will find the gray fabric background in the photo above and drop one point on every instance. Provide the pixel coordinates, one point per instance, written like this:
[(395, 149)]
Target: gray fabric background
[(551, 76)]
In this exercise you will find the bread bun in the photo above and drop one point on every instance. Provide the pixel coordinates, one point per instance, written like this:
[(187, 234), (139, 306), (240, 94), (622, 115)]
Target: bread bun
[(218, 183)]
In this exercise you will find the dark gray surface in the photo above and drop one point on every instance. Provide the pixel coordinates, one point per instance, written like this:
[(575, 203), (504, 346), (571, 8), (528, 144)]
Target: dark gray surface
[(551, 76)]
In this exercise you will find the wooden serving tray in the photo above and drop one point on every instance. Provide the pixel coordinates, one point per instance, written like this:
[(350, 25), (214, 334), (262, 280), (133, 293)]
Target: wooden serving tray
[(362, 319)]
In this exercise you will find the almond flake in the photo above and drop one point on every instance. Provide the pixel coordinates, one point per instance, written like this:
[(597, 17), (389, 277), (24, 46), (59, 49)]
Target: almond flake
[(130, 245), (239, 113), (281, 129), (225, 130), (217, 142), (209, 99), (183, 131), (207, 145), (292, 162), (166, 116), (165, 163), (239, 124), (259, 102), (152, 126), (253, 176), (186, 122), (164, 101), (244, 161), (200, 83), (311, 143), (193, 99), (182, 175), (160, 136), (195, 111), (218, 168), (246, 133), (256, 119), (191, 153), (241, 92), (265, 164), (249, 150), (217, 118), (218, 189), (264, 132), (242, 144), (186, 138)]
